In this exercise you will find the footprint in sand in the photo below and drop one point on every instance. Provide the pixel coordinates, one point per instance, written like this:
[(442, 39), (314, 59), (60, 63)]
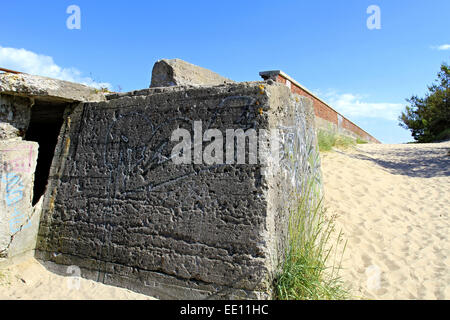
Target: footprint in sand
[(391, 265), (367, 261)]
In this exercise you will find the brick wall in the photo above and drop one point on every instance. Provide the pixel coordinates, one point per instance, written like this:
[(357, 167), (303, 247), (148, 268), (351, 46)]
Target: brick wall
[(322, 110)]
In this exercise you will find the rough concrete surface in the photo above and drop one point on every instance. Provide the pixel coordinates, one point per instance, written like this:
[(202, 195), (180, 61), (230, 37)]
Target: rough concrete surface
[(41, 87), (23, 96), (120, 209), (176, 72), (15, 113), (18, 224)]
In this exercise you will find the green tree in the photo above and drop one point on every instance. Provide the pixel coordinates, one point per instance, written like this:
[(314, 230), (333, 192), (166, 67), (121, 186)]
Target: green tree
[(428, 118)]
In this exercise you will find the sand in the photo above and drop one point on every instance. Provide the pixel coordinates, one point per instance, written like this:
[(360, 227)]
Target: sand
[(392, 202), (30, 280)]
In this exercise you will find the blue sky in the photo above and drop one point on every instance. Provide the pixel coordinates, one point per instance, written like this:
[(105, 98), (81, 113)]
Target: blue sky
[(325, 45)]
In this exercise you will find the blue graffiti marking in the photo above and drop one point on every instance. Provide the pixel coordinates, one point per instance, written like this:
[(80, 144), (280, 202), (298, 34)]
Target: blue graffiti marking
[(15, 223), (14, 188)]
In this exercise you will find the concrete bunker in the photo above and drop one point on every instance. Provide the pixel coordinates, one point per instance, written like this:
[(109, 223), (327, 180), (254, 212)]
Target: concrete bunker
[(121, 210), (116, 206)]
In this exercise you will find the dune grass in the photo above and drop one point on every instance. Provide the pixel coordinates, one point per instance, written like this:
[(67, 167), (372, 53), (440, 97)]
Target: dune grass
[(326, 140), (3, 279), (329, 139), (311, 267), (361, 141)]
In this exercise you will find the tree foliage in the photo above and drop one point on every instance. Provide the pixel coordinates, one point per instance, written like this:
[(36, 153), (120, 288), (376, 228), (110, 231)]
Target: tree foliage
[(428, 118)]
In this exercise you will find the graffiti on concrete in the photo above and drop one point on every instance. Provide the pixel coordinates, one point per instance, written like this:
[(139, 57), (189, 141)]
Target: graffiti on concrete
[(17, 162), (14, 194), (22, 162), (13, 188)]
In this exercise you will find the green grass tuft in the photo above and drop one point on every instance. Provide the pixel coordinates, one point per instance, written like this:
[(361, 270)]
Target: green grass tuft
[(3, 279), (361, 141), (311, 269), (327, 140)]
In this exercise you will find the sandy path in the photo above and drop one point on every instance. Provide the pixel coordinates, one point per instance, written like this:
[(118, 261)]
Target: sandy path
[(392, 203), (29, 280)]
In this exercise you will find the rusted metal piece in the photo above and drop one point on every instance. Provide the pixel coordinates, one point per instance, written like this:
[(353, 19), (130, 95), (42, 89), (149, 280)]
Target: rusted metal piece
[(10, 71)]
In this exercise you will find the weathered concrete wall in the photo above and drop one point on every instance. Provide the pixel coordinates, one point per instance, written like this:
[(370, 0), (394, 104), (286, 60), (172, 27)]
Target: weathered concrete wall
[(176, 72), (36, 87), (15, 115), (120, 209), (118, 206), (326, 117), (19, 94), (18, 225)]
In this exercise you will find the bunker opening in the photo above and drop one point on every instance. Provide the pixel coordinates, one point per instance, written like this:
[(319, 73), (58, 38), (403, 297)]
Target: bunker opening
[(46, 120)]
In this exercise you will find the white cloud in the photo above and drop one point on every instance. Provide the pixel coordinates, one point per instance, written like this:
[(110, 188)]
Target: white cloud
[(442, 47), (352, 105), (37, 64)]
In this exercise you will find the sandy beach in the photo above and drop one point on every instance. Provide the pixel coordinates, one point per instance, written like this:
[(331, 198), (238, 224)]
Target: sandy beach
[(392, 203), (30, 280)]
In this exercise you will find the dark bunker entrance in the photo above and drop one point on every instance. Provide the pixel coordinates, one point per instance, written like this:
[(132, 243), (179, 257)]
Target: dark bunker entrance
[(46, 120)]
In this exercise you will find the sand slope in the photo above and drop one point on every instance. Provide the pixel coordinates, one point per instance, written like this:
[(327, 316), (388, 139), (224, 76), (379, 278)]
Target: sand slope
[(392, 203)]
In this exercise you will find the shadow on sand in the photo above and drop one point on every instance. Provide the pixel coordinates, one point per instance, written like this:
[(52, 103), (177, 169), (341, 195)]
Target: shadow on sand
[(413, 162)]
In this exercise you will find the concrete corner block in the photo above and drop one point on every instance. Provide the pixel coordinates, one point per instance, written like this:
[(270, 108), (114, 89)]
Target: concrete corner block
[(176, 72), (19, 221)]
